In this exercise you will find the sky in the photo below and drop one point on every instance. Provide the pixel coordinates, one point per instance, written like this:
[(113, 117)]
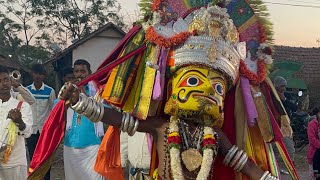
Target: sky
[(293, 25)]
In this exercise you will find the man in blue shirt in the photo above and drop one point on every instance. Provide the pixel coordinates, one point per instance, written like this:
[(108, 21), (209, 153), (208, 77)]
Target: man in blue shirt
[(82, 137), (44, 96)]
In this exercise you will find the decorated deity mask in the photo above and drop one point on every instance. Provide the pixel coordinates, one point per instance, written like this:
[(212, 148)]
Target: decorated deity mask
[(208, 64), (197, 94)]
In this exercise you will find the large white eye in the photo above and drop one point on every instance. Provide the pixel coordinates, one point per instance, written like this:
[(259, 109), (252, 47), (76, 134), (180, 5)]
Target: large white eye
[(219, 89), (192, 81)]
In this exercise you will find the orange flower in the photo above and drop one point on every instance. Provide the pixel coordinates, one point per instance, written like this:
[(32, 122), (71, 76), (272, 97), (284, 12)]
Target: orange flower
[(154, 37), (252, 77)]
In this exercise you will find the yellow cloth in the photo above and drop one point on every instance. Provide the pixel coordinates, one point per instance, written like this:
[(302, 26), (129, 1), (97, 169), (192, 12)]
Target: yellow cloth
[(263, 119), (143, 105), (241, 119), (116, 89), (285, 121), (133, 97)]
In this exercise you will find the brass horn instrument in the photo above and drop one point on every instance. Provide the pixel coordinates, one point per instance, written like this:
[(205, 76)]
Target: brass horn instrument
[(16, 75)]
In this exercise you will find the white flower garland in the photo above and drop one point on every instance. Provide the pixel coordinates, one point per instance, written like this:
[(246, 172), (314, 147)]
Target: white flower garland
[(261, 55), (207, 159), (175, 159)]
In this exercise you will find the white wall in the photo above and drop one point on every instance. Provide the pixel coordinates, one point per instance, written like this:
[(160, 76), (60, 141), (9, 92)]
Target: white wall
[(97, 48)]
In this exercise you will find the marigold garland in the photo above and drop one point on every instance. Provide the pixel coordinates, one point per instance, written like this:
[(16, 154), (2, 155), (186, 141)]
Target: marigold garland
[(156, 4), (255, 79), (154, 37)]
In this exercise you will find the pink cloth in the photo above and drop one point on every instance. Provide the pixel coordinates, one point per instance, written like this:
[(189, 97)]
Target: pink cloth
[(313, 137)]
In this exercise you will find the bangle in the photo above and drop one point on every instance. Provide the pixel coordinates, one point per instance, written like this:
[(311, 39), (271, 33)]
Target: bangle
[(95, 110), (131, 124), (264, 176), (243, 160), (230, 155), (95, 114), (236, 159), (133, 131), (88, 108), (101, 112), (126, 122), (122, 121), (81, 104), (270, 177)]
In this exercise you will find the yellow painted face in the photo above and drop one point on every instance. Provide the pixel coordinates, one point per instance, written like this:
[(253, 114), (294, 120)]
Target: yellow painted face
[(198, 95)]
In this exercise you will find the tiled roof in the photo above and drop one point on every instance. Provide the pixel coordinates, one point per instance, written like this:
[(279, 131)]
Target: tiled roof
[(310, 70), (310, 57)]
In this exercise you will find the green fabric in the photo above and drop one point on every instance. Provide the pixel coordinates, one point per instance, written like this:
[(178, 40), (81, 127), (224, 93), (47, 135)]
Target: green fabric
[(287, 69)]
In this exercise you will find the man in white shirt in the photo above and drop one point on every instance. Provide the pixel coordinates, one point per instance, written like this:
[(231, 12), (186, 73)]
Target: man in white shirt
[(135, 155), (45, 97), (13, 163)]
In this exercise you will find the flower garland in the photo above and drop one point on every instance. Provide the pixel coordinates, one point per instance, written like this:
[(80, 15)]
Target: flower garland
[(209, 147), (255, 79), (264, 53), (156, 4), (174, 141), (154, 37)]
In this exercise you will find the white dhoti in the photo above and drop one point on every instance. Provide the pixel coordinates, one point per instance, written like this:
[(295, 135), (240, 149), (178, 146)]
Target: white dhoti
[(79, 163), (16, 173)]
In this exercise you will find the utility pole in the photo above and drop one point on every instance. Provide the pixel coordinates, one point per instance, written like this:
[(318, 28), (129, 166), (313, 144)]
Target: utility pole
[(318, 41)]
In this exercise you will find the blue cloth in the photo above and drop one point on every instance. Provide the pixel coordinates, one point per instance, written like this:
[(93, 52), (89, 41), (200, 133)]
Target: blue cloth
[(81, 135)]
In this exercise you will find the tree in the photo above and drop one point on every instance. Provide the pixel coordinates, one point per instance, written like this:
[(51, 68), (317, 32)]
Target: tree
[(77, 18), (21, 32), (9, 41)]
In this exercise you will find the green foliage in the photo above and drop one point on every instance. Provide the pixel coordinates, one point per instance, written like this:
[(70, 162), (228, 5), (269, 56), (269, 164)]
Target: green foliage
[(28, 28), (18, 32), (9, 42), (76, 18)]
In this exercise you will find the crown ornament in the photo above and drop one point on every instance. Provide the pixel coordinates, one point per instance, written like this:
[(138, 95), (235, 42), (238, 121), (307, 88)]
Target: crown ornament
[(215, 43)]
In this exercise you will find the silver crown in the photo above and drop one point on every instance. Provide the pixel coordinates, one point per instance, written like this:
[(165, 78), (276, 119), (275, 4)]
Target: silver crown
[(202, 50)]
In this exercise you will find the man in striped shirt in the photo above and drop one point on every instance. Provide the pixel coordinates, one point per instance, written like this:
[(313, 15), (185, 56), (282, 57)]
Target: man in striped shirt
[(44, 96)]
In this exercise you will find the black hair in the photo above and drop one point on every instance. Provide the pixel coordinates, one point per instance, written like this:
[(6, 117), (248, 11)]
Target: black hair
[(38, 68), (83, 62), (66, 71), (316, 110), (4, 69)]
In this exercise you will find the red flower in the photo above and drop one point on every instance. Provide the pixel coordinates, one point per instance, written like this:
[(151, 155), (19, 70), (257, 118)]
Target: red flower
[(267, 51), (209, 141), (254, 78), (174, 139), (154, 37)]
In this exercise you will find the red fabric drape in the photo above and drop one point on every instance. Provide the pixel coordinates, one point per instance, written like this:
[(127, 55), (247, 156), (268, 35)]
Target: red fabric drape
[(51, 136), (220, 171)]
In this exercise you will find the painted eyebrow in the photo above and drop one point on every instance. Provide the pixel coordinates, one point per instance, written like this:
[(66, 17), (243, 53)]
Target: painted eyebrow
[(220, 78), (192, 71)]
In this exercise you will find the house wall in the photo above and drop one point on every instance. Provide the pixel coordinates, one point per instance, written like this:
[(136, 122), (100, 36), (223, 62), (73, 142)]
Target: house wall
[(97, 48)]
